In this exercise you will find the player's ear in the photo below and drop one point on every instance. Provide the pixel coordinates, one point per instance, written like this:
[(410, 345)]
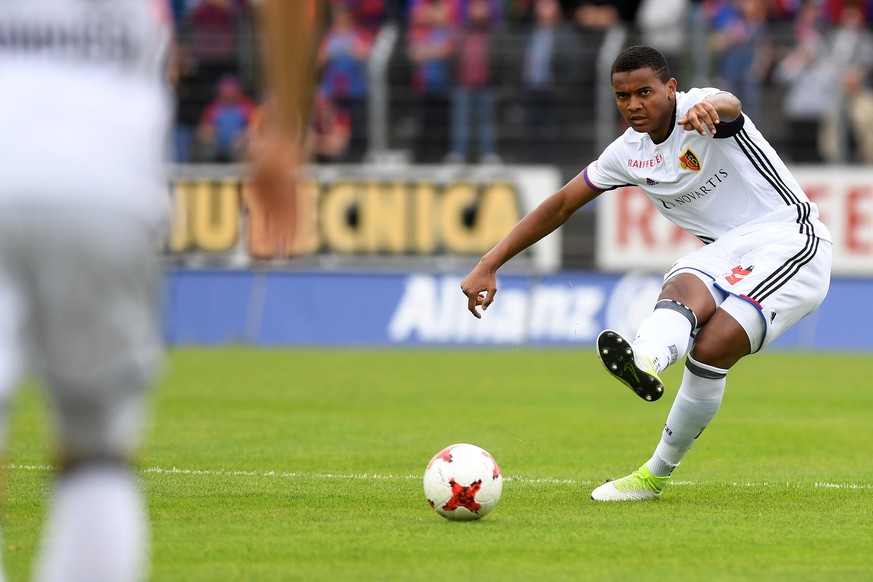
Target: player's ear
[(671, 87)]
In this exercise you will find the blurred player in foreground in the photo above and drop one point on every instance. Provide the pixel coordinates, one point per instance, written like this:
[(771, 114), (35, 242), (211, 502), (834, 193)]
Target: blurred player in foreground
[(766, 263), (84, 117)]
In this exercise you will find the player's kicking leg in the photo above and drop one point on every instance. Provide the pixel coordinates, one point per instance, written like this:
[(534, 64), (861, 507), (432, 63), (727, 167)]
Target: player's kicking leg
[(697, 401), (661, 340), (635, 371)]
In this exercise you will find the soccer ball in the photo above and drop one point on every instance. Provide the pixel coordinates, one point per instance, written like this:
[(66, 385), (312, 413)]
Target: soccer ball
[(463, 482)]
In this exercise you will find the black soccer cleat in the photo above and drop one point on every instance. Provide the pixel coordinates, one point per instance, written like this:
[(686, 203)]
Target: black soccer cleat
[(617, 356)]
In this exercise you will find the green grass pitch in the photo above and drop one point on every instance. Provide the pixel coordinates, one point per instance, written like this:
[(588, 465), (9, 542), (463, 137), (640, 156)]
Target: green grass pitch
[(307, 464)]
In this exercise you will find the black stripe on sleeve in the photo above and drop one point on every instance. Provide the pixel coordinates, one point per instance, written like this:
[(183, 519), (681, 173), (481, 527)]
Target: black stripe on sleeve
[(729, 128)]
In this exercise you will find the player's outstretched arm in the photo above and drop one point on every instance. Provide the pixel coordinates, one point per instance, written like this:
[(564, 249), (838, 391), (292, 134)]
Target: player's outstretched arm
[(480, 285), (703, 117)]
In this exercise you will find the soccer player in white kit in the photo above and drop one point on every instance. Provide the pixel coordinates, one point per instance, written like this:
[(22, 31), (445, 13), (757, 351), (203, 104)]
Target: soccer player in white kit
[(84, 114), (765, 264)]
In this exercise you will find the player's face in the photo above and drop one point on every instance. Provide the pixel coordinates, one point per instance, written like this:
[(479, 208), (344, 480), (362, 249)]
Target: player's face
[(645, 102)]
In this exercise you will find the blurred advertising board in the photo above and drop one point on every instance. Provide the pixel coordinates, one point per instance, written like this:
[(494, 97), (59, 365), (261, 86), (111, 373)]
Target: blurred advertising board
[(632, 235), (364, 216), (345, 308)]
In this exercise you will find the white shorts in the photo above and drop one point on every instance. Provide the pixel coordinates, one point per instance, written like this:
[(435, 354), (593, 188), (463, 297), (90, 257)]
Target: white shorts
[(78, 302), (784, 274)]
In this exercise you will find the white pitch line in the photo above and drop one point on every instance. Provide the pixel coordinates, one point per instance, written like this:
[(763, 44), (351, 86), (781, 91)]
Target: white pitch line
[(390, 477)]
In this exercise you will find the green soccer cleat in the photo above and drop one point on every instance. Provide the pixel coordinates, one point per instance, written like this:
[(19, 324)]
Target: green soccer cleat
[(640, 485), (617, 356)]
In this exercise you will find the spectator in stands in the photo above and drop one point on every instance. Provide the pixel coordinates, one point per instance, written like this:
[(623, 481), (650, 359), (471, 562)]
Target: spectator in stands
[(179, 9), (343, 58), (430, 50), (453, 8), (223, 126), (743, 51), (810, 79), (834, 9), (551, 55), (850, 49), (518, 12), (664, 24), (859, 97), (603, 14), (474, 94), (330, 131), (368, 14), (186, 88), (787, 10), (212, 29), (698, 31)]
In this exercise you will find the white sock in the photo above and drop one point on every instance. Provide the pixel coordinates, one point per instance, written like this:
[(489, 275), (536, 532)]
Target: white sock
[(697, 401), (663, 336), (96, 529)]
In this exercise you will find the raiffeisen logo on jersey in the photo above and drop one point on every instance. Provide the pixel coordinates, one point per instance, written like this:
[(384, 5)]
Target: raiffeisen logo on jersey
[(689, 160), (650, 163)]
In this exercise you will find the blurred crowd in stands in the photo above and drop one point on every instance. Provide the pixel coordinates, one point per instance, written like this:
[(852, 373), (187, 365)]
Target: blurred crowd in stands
[(485, 81)]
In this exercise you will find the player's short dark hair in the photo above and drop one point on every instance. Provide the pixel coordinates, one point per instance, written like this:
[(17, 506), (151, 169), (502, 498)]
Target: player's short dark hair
[(641, 57)]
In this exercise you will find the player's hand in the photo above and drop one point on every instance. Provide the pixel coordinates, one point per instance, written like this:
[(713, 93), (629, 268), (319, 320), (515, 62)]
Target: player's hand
[(480, 286), (702, 117), (274, 157)]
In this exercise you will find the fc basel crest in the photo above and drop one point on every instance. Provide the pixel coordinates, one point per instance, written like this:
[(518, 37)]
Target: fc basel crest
[(689, 160)]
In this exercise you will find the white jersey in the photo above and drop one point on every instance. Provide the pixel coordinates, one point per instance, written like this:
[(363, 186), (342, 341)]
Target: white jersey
[(84, 109), (708, 185)]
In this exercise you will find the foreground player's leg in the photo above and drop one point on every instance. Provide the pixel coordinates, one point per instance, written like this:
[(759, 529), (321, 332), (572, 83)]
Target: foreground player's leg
[(96, 528), (100, 352), (11, 310), (97, 524)]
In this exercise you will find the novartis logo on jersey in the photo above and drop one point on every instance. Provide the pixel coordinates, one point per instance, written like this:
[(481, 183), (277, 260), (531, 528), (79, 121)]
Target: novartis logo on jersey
[(650, 163), (708, 188)]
